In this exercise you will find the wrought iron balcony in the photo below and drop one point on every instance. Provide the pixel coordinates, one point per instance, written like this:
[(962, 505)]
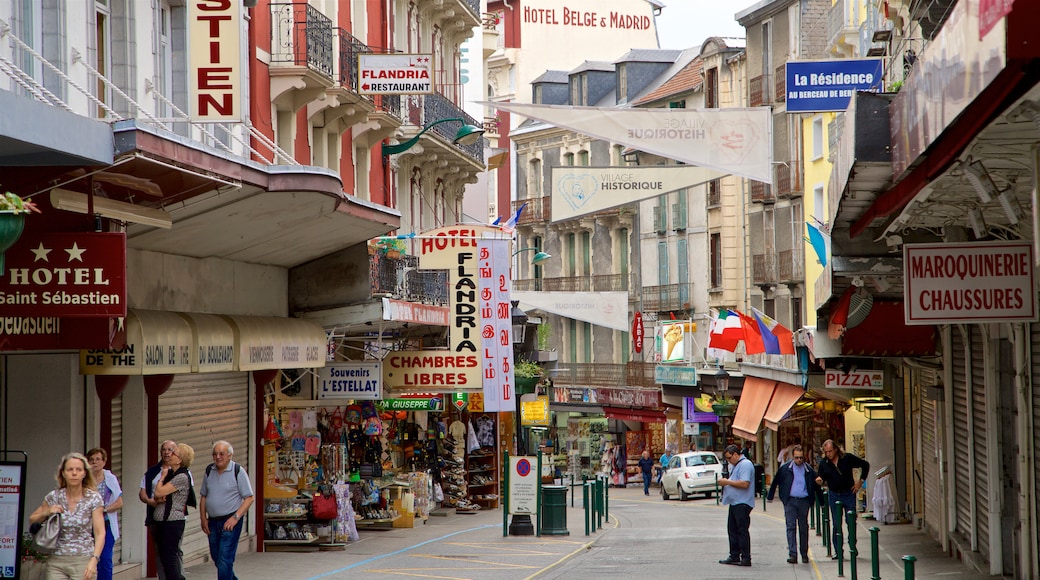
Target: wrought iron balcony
[(490, 126), (302, 36), (640, 374), (349, 49), (788, 179), (791, 265), (389, 104), (401, 278), (422, 110), (763, 269), (667, 298), (589, 374), (758, 91), (780, 81), (762, 192), (538, 210), (714, 193), (842, 30)]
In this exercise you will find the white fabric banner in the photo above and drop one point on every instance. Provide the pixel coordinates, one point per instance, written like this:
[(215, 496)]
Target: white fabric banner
[(496, 325), (734, 141), (579, 190), (609, 309)]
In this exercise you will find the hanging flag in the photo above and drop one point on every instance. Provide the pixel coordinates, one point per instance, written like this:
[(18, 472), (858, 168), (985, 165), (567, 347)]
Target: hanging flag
[(753, 343), (726, 331), (775, 338), (818, 243), (512, 221)]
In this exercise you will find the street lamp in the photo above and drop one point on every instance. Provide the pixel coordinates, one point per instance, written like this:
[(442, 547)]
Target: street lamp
[(466, 135), (539, 255), (521, 524), (722, 388)]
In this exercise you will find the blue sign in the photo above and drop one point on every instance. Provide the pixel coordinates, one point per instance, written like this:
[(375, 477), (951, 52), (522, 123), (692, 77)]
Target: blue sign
[(675, 375), (827, 85)]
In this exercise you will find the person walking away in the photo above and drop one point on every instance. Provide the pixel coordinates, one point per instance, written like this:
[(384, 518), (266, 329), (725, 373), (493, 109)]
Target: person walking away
[(798, 490), (646, 465), (82, 537), (226, 498), (112, 496), (147, 496), (836, 471), (739, 494), (169, 515), (663, 465)]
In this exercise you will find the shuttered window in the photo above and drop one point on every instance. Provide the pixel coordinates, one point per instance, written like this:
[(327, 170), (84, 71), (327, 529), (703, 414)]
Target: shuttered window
[(981, 458), (962, 461)]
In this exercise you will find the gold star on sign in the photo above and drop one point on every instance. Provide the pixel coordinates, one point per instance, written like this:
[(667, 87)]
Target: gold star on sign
[(75, 252), (41, 253)]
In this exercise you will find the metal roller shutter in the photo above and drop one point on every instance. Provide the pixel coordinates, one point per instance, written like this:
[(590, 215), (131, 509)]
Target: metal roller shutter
[(980, 457), (930, 466), (200, 409), (1035, 378), (115, 454), (961, 456)]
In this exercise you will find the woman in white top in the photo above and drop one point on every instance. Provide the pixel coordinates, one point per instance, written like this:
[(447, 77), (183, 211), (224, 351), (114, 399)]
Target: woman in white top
[(82, 535), (112, 495)]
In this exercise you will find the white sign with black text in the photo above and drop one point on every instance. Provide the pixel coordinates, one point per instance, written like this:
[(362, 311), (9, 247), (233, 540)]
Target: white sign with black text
[(351, 380)]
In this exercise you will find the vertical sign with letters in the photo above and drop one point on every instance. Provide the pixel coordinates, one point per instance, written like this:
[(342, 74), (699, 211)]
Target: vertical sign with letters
[(496, 325), (214, 58)]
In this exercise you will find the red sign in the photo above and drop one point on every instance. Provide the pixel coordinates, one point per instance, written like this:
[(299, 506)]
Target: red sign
[(990, 12), (52, 333), (65, 275), (637, 332)]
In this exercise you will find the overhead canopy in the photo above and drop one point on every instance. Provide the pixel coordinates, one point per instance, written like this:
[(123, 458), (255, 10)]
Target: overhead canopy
[(785, 395), (641, 415), (754, 401), (609, 309), (734, 141)]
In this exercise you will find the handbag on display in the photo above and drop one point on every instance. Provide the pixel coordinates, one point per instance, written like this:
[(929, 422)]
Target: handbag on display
[(45, 539), (323, 507)]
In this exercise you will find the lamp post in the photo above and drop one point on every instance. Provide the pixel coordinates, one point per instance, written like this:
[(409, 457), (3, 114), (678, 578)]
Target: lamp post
[(539, 255), (521, 524), (722, 389), (466, 135)]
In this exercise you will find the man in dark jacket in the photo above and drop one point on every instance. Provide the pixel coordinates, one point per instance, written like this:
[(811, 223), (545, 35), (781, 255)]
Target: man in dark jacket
[(798, 489), (836, 470)]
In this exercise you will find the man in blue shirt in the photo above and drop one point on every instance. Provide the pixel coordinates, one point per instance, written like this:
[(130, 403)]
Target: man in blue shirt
[(739, 494), (798, 489)]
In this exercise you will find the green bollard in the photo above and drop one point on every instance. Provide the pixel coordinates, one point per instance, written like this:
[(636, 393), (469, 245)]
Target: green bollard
[(585, 505), (826, 513), (763, 492), (718, 491), (850, 517), (599, 503), (908, 567), (839, 540), (606, 502), (812, 517), (875, 564)]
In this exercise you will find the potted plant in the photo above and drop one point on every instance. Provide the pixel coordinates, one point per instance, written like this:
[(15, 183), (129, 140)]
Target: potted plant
[(33, 561), (12, 221), (724, 407), (544, 353), (526, 375)]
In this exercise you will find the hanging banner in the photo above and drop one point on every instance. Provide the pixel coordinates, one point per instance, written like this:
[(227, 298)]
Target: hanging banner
[(395, 74), (609, 309), (579, 190), (214, 63), (496, 325), (732, 141)]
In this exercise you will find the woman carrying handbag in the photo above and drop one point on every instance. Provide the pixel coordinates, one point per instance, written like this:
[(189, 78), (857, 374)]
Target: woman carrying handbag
[(171, 511), (82, 536)]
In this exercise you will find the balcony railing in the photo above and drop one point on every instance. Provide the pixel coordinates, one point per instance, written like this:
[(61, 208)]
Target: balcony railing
[(422, 110), (714, 193), (790, 265), (401, 278), (390, 104), (538, 210), (491, 125), (489, 21), (780, 81), (788, 179), (758, 90), (600, 283), (762, 192), (840, 22), (589, 374), (763, 269), (666, 298), (640, 374), (349, 49), (301, 35)]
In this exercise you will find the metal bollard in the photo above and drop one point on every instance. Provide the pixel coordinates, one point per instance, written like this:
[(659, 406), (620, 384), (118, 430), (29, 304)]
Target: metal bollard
[(600, 484), (718, 491), (826, 513), (606, 502), (763, 492), (812, 516), (839, 543), (875, 564), (585, 505), (908, 567), (850, 518)]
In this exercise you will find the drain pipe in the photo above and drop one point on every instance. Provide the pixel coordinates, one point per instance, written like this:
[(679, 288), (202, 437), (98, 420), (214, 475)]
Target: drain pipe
[(1026, 449)]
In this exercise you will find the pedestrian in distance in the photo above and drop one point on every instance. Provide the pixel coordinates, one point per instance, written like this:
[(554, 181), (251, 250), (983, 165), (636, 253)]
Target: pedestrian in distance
[(662, 465), (82, 537), (226, 499), (147, 496), (798, 490), (646, 465), (739, 494), (171, 511), (835, 470), (112, 496)]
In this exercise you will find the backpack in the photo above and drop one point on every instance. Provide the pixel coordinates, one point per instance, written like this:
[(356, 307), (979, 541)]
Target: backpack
[(210, 467)]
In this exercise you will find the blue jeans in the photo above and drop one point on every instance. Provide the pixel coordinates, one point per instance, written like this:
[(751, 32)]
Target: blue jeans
[(646, 483), (104, 565), (848, 503), (223, 545)]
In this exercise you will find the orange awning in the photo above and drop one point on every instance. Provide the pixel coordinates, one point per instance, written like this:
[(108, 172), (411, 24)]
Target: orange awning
[(641, 415), (754, 400), (784, 397)]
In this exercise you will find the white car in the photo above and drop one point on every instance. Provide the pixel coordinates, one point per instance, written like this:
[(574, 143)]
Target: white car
[(689, 473)]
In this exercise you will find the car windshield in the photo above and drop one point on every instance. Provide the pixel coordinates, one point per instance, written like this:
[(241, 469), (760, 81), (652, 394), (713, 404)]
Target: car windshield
[(701, 460)]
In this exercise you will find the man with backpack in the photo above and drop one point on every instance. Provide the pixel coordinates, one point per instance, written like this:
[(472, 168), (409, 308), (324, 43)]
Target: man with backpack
[(226, 498)]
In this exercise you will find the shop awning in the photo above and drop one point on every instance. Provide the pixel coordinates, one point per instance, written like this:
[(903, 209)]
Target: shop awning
[(883, 333), (641, 415), (269, 342), (753, 404), (785, 395)]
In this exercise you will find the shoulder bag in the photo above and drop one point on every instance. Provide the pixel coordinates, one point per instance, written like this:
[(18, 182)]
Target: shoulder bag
[(45, 539)]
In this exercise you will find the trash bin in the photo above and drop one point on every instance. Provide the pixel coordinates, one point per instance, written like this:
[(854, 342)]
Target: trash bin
[(554, 510), (760, 470)]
